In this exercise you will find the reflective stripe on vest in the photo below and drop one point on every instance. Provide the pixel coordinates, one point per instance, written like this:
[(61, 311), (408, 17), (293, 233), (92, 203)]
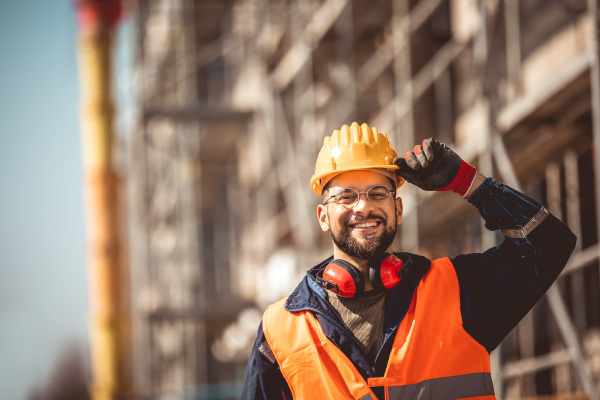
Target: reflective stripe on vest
[(448, 388), (432, 356)]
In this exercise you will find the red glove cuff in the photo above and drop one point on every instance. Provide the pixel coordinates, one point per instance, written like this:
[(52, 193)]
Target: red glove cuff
[(463, 180)]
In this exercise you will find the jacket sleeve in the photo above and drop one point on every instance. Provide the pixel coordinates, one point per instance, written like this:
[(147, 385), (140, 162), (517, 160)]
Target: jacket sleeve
[(500, 286), (263, 378)]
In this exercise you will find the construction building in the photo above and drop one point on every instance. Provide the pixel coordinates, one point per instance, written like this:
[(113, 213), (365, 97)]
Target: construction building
[(234, 98)]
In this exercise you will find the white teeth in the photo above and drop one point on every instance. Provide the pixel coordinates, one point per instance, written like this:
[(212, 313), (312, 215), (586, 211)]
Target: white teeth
[(366, 225)]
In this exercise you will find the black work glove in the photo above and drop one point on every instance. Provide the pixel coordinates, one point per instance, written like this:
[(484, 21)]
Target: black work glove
[(433, 166)]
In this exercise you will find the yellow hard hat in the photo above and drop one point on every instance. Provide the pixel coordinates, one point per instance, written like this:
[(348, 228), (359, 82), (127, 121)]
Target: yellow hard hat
[(353, 148)]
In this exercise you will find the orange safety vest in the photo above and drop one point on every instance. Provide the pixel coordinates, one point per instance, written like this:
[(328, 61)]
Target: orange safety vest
[(432, 357)]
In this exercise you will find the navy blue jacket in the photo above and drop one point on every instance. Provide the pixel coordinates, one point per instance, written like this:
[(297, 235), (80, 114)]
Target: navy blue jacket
[(497, 288)]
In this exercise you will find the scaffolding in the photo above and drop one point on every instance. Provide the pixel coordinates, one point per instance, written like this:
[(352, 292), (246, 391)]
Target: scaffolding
[(234, 100)]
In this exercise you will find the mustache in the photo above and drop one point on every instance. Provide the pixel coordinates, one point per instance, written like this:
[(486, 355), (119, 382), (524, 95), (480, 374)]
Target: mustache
[(355, 219)]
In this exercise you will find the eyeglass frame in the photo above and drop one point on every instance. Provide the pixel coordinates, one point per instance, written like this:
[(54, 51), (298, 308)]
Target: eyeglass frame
[(350, 206)]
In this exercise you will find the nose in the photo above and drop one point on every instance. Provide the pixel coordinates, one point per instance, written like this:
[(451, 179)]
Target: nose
[(362, 203)]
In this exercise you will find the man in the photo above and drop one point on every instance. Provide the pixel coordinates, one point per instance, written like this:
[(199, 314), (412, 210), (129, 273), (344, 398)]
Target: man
[(369, 323)]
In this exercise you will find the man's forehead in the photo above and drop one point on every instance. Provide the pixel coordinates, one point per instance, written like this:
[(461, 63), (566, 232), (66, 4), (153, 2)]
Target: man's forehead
[(359, 179)]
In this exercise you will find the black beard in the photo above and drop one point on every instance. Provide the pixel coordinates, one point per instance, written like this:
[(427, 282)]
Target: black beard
[(372, 249)]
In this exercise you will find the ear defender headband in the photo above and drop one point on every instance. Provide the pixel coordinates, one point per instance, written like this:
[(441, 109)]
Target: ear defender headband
[(345, 280)]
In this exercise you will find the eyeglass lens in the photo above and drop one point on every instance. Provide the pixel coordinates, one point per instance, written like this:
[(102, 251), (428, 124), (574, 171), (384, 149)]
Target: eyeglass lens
[(377, 195)]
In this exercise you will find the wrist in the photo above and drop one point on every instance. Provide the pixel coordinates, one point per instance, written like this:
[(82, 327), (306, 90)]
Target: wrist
[(477, 181), (463, 180)]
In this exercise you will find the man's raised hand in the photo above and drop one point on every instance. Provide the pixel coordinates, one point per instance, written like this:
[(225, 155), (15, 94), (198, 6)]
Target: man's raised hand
[(433, 166)]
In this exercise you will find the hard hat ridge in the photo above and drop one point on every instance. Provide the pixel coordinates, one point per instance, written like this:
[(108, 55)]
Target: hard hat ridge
[(353, 147)]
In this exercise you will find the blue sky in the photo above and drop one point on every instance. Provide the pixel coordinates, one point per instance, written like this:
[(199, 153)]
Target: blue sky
[(43, 281)]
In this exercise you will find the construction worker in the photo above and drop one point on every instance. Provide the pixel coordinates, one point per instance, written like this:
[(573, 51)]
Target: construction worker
[(371, 323)]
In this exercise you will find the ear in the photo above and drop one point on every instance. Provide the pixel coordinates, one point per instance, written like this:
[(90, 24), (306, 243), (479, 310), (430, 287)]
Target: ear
[(399, 210), (323, 219)]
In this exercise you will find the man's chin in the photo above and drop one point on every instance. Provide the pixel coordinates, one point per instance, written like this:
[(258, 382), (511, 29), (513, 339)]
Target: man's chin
[(366, 239), (366, 248), (364, 245)]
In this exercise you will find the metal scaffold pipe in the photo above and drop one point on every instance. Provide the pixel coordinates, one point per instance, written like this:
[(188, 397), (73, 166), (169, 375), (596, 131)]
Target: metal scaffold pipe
[(107, 272)]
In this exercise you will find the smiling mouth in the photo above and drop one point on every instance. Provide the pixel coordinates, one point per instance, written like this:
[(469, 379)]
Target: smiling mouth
[(365, 225)]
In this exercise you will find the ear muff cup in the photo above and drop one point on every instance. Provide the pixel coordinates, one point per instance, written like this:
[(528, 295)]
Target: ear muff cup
[(387, 272), (343, 278)]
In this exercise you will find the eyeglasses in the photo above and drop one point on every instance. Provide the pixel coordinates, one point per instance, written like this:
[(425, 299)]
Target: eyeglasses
[(378, 195)]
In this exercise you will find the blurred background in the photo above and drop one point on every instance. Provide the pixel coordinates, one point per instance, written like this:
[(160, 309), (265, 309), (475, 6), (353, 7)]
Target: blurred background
[(156, 157)]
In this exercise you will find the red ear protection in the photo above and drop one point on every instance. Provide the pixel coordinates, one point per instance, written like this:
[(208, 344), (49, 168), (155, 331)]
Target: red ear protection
[(342, 278), (387, 273), (345, 279)]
